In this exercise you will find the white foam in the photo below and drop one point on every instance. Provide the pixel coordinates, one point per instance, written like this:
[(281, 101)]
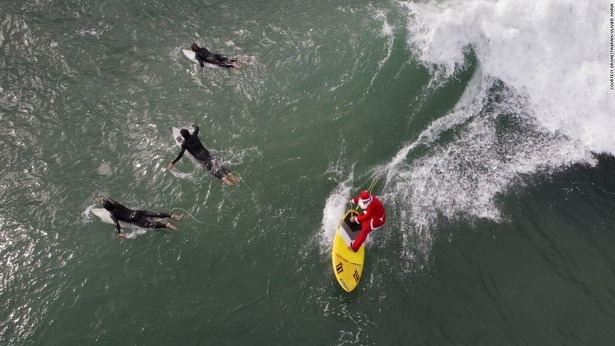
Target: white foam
[(335, 207), (135, 233), (88, 212), (182, 175), (387, 32), (539, 101), (494, 141), (553, 51)]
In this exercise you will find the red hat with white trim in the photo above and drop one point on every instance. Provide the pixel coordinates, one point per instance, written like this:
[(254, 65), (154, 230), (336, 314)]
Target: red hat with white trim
[(364, 199)]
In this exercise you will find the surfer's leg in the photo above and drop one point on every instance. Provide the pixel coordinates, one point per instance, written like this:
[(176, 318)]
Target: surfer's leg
[(229, 173), (356, 244), (143, 221), (233, 177), (219, 171), (153, 224), (219, 60), (220, 57), (154, 214)]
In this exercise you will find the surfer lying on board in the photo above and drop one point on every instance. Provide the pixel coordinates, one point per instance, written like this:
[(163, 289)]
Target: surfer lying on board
[(193, 144), (202, 55), (372, 218), (139, 218)]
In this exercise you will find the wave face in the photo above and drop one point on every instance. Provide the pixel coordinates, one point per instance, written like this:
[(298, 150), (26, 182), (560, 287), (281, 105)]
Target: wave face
[(555, 52), (537, 101)]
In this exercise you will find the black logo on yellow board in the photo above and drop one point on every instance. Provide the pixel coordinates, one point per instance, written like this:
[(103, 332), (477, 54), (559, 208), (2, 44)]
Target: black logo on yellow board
[(339, 268), (356, 276)]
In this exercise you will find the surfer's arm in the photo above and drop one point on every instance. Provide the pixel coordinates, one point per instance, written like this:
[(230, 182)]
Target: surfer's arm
[(363, 217), (200, 61), (179, 156), (367, 215), (117, 224), (196, 130)]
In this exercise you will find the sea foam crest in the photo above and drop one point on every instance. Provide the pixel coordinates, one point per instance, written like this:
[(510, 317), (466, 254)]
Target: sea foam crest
[(526, 110), (554, 51)]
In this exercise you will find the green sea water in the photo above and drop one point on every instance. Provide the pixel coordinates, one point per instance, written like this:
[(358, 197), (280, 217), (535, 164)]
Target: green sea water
[(499, 229)]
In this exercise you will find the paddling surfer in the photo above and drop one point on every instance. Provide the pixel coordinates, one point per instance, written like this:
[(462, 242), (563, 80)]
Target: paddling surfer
[(193, 144), (203, 55), (141, 218), (372, 218)]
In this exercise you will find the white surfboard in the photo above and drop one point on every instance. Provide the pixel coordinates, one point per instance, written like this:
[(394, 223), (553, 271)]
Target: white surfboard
[(191, 55), (104, 215)]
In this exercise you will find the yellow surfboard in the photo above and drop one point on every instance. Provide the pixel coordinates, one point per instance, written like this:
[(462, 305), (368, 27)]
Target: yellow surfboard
[(347, 264)]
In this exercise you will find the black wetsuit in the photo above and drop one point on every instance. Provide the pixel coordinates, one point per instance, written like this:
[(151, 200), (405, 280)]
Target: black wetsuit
[(195, 147), (205, 56), (139, 218)]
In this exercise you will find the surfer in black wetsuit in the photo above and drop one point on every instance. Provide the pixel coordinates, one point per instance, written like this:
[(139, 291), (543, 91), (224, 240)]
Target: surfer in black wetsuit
[(210, 163), (141, 218), (202, 55)]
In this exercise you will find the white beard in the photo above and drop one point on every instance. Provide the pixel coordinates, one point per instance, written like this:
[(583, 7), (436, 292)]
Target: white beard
[(364, 205)]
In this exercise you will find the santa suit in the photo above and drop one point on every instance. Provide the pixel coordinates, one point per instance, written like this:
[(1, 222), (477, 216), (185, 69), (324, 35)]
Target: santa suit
[(372, 218)]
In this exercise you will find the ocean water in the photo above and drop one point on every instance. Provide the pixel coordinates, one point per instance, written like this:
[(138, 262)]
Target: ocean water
[(486, 126)]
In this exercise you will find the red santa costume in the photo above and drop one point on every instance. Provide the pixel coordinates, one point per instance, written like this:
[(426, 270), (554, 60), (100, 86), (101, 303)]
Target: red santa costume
[(372, 218)]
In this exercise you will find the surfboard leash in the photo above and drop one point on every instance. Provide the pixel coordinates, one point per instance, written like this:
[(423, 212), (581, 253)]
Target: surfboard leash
[(244, 183), (371, 186), (187, 212)]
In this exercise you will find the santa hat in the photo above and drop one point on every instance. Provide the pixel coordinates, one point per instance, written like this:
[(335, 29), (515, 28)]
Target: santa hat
[(364, 199)]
